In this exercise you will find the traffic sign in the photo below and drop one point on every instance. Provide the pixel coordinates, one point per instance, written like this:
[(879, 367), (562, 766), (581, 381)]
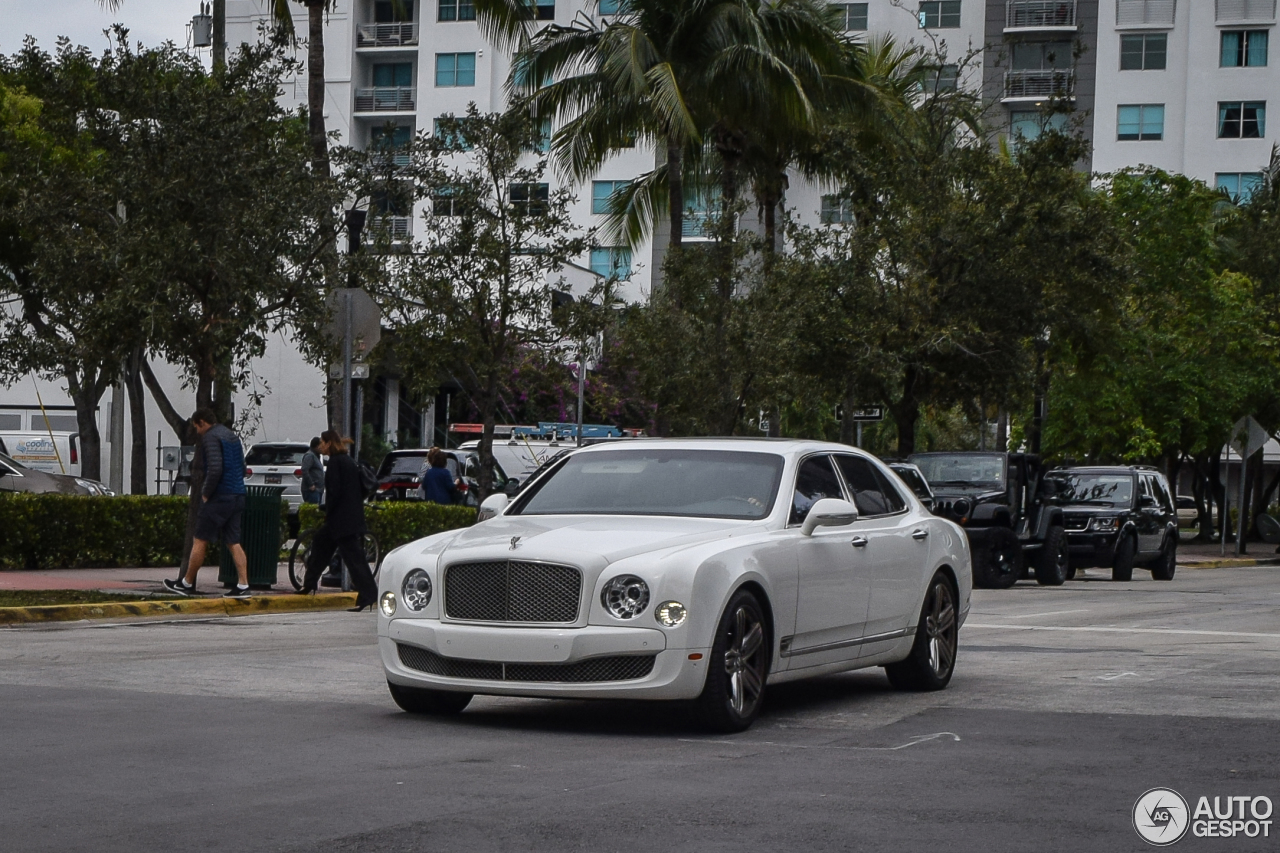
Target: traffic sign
[(868, 413)]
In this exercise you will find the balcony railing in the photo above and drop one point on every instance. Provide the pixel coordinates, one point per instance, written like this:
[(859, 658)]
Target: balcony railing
[(1053, 83), (1245, 11), (397, 229), (1138, 12), (386, 99), (387, 35), (1039, 14)]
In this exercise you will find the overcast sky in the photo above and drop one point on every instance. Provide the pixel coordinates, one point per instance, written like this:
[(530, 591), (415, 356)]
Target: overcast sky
[(149, 21)]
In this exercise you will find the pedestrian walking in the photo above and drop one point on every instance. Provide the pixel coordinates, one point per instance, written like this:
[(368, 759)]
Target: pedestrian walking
[(343, 528), (438, 484), (221, 504), (313, 474)]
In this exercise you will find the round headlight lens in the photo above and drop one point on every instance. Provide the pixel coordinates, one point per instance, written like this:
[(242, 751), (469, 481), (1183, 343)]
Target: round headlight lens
[(388, 603), (626, 596), (670, 614), (416, 590)]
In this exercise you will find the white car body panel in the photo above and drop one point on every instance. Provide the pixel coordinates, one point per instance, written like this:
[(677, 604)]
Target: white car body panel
[(864, 605)]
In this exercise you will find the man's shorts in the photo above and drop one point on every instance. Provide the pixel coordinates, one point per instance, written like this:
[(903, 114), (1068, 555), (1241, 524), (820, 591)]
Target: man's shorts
[(219, 519)]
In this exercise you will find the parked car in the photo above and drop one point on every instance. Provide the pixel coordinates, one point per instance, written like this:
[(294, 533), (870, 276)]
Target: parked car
[(1121, 517), (16, 477), (910, 474), (50, 452), (398, 475), (277, 463), (1001, 501), (667, 569)]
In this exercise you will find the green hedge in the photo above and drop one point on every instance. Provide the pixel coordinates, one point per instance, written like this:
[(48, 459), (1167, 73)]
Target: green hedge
[(398, 522), (65, 531)]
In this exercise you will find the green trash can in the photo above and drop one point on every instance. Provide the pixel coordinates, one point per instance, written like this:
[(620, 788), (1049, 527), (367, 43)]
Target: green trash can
[(260, 536)]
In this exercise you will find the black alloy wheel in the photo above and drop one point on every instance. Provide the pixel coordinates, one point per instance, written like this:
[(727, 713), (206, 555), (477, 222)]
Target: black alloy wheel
[(1001, 564), (1167, 563), (738, 666), (933, 654)]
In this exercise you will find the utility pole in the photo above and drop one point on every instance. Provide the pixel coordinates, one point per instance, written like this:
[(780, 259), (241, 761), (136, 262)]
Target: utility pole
[(219, 34)]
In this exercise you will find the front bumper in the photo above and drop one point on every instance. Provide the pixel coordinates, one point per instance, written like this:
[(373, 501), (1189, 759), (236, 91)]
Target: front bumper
[(672, 677), (1091, 549)]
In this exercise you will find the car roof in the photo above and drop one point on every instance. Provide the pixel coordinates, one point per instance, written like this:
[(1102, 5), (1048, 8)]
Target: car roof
[(301, 444), (759, 445)]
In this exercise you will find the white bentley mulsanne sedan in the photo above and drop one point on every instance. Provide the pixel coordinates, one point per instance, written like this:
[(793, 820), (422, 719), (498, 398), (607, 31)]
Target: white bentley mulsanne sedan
[(698, 569)]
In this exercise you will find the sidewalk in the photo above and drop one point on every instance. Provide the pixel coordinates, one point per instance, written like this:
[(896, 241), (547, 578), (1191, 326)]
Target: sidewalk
[(1208, 555)]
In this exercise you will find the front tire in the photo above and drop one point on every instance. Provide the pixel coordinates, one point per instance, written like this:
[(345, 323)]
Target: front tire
[(1052, 562), (933, 654), (1000, 559), (419, 700), (1167, 563), (738, 667), (1126, 553)]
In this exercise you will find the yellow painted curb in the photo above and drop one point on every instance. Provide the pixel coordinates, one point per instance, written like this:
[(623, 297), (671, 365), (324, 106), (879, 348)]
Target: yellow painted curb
[(1229, 563), (213, 605)]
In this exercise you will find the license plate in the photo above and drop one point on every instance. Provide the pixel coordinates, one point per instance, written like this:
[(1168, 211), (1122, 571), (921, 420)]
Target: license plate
[(272, 479)]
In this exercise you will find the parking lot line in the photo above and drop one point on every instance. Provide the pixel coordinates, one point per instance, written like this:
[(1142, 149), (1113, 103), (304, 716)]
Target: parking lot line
[(1047, 613), (1099, 630)]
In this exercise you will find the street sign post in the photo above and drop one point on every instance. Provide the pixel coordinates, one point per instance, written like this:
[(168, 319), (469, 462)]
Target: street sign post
[(1247, 438), (356, 320)]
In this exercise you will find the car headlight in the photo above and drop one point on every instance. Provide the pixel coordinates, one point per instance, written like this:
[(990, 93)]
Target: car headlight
[(388, 603), (670, 614), (626, 596), (1104, 523), (416, 590)]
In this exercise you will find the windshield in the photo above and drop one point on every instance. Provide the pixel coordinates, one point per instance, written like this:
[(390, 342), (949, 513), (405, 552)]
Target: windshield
[(962, 469), (261, 454), (1103, 489), (403, 466), (655, 481)]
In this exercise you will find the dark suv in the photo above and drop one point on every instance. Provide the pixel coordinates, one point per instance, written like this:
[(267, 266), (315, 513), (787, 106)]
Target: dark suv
[(1119, 517)]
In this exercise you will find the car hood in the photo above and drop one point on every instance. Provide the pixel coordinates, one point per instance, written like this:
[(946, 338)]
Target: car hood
[(584, 540)]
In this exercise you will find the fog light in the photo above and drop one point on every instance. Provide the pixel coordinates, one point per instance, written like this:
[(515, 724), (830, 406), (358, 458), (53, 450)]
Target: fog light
[(626, 596), (416, 590), (388, 603), (670, 614)]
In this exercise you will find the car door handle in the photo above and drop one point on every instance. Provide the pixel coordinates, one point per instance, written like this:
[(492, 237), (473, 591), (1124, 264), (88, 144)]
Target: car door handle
[(859, 542), (920, 535)]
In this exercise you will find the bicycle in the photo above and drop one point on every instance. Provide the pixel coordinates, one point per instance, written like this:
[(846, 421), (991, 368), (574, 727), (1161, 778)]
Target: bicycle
[(301, 550)]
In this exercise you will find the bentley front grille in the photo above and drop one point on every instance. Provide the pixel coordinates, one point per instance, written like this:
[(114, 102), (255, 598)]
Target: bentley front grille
[(615, 668), (512, 591)]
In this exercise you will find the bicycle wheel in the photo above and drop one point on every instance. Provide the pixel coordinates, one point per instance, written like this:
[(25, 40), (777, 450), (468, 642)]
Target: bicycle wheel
[(298, 555), (372, 553)]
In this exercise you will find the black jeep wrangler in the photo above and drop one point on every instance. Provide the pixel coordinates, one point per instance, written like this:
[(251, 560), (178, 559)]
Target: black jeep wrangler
[(1007, 507)]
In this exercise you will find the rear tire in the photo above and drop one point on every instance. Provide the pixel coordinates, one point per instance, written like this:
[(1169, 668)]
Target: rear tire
[(933, 654), (1122, 565), (1052, 561), (1000, 559), (1167, 563), (737, 668), (419, 700)]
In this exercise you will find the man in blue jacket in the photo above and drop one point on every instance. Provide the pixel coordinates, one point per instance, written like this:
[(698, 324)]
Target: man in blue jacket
[(222, 504)]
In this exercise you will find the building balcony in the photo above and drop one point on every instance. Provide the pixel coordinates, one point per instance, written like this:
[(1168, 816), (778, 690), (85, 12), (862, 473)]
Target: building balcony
[(397, 34), (395, 229), (1245, 11), (386, 99), (1145, 13), (1038, 85), (1030, 15)]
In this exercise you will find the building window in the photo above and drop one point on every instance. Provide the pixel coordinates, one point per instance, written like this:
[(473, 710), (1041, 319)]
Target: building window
[(943, 78), (399, 74), (1244, 49), (939, 14), (456, 10), (455, 69), (542, 144), (835, 210), (1242, 120), (1143, 52), (1143, 122), (1029, 124), (529, 199), (545, 10), (854, 15), (388, 12), (456, 135), (611, 262), (602, 194), (443, 202), (611, 7), (393, 146), (1239, 185)]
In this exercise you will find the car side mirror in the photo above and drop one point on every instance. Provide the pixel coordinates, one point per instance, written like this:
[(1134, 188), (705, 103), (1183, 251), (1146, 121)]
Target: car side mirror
[(511, 488), (491, 506), (829, 512)]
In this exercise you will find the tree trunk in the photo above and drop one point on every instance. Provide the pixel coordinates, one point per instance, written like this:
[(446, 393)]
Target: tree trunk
[(906, 412), (138, 425), (675, 191), (1219, 490), (86, 403), (488, 417)]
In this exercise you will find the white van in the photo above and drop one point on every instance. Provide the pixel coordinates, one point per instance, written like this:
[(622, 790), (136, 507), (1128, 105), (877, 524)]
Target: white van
[(51, 452)]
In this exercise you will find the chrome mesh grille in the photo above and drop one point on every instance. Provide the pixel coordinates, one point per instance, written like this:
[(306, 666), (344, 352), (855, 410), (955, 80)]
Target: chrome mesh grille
[(512, 591), (614, 668)]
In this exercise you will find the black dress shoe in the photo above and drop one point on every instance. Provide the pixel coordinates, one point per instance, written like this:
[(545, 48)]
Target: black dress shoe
[(361, 607)]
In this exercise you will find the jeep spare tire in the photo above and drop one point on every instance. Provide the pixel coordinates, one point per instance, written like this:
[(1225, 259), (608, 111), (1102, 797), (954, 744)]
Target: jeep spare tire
[(997, 558)]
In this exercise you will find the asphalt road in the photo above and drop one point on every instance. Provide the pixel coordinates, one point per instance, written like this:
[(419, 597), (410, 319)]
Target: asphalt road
[(277, 733)]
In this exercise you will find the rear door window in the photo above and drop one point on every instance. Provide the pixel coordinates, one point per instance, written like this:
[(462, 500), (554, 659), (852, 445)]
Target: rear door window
[(816, 480), (868, 490)]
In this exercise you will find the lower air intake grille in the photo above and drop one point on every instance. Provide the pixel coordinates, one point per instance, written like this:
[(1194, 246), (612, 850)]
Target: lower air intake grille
[(615, 668)]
